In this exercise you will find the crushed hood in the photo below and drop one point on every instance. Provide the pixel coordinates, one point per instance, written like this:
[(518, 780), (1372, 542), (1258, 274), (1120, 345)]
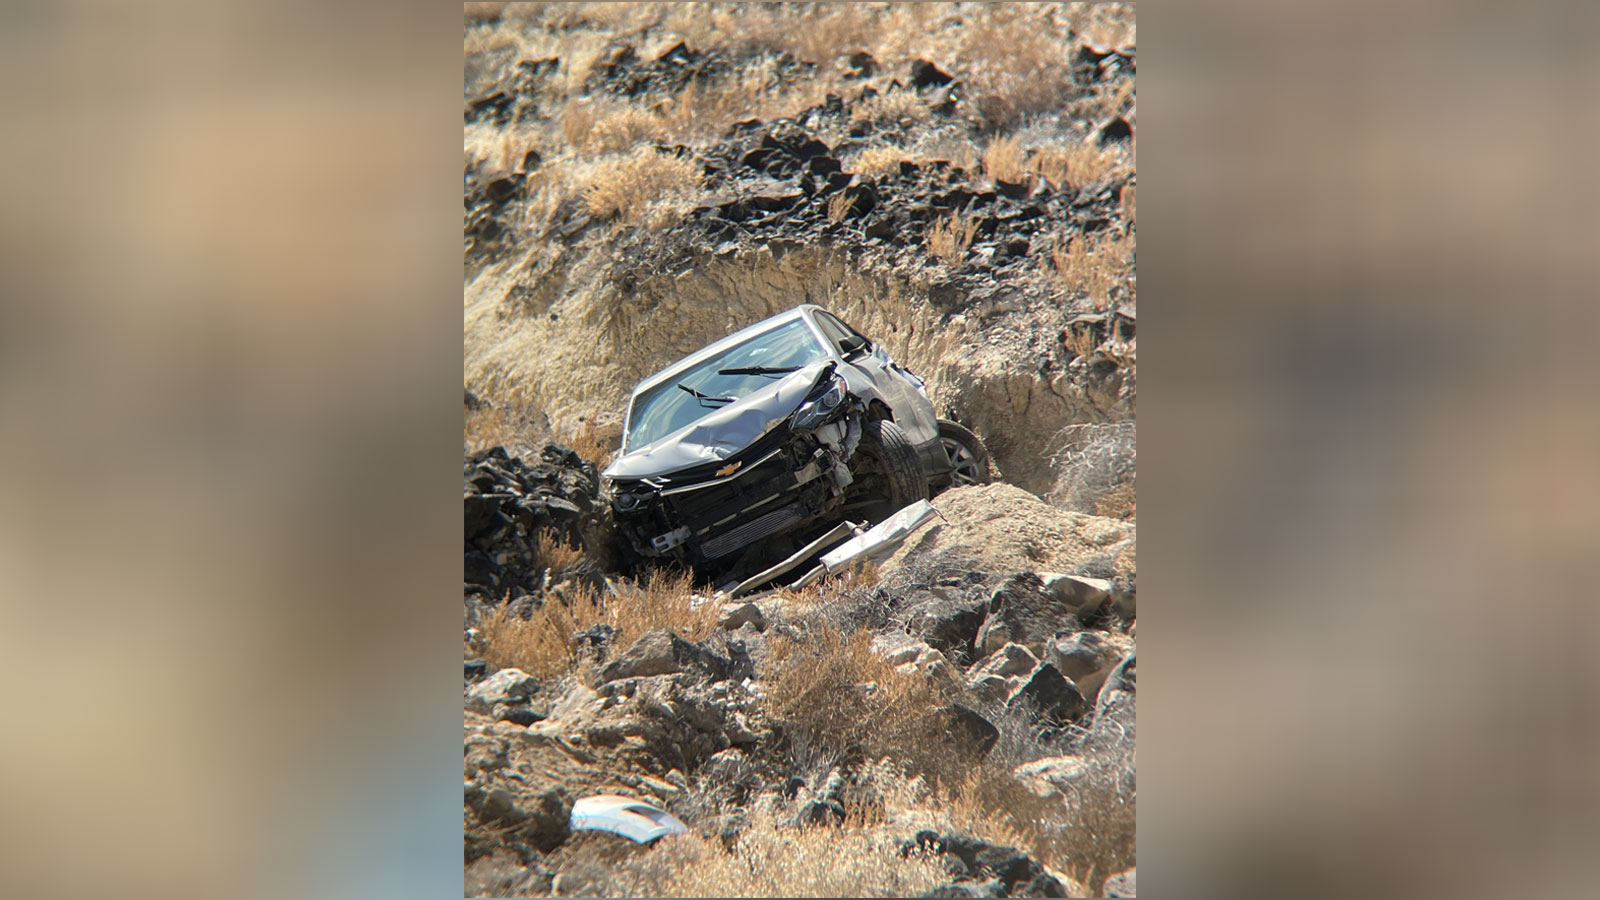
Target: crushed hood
[(723, 432)]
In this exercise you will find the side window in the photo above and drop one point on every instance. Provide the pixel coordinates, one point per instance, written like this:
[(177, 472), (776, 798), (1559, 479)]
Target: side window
[(833, 328), (837, 331)]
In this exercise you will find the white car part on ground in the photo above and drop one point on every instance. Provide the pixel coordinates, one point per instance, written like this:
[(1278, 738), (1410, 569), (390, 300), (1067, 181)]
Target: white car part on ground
[(632, 818)]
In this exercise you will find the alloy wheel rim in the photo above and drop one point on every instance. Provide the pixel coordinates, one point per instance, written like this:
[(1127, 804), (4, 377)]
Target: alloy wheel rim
[(963, 460)]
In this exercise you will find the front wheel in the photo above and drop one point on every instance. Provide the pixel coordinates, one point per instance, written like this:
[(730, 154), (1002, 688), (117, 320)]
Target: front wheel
[(969, 458), (889, 474)]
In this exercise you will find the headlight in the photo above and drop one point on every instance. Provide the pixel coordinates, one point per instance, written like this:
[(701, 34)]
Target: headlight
[(818, 411)]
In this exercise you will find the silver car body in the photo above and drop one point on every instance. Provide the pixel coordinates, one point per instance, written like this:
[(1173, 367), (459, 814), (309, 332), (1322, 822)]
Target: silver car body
[(686, 458), (728, 430)]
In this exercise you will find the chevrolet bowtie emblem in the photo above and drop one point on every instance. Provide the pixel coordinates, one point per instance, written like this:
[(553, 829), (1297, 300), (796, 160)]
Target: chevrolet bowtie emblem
[(729, 470)]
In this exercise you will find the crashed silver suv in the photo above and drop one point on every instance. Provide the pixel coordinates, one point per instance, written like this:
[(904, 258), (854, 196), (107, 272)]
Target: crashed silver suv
[(749, 450)]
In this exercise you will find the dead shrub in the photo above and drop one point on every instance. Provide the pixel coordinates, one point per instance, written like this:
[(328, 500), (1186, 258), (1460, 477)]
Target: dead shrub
[(1090, 462), (542, 644), (593, 441), (835, 696), (620, 129), (1013, 62), (577, 120), (625, 187), (517, 427), (949, 238)]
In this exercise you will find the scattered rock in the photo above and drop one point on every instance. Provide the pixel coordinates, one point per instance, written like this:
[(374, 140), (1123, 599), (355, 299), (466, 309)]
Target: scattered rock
[(926, 74), (504, 686), (1017, 874), (1050, 695), (1048, 776), (1122, 884), (734, 615), (663, 653), (1022, 612)]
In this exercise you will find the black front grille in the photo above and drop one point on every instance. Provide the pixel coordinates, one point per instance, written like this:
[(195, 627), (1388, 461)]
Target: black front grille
[(725, 542)]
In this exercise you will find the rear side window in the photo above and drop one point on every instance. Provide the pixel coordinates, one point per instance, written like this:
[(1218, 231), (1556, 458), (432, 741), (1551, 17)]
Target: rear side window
[(836, 330)]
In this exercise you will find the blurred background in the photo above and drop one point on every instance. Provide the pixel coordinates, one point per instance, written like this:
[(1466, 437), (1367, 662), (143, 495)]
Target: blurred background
[(229, 362)]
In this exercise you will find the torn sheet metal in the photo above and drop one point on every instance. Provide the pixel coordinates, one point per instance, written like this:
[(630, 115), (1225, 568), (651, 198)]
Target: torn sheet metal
[(876, 543), (628, 816)]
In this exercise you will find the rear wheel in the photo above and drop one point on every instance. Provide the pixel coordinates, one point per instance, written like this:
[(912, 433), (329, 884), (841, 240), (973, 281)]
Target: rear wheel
[(889, 474), (969, 458)]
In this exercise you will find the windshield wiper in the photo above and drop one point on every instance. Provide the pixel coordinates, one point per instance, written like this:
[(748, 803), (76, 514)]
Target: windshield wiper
[(705, 398), (759, 370)]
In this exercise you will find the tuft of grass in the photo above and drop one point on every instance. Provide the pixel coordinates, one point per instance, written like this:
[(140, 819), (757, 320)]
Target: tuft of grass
[(1091, 264), (542, 644), (1075, 165), (1003, 160), (882, 160), (839, 206), (621, 128), (949, 238), (898, 106), (625, 187)]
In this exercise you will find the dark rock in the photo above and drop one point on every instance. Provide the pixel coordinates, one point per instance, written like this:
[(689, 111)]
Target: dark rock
[(1050, 695), (531, 160), (947, 623), (970, 730), (1022, 611), (1017, 875), (1115, 130), (820, 812), (473, 669), (793, 786), (926, 74), (503, 188), (861, 65), (478, 568), (479, 511), (520, 715)]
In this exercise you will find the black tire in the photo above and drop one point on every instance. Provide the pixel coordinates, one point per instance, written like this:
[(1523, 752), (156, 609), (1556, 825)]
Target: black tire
[(967, 454), (891, 469)]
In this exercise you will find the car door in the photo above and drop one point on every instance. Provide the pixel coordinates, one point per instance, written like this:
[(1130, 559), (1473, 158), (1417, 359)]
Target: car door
[(901, 389)]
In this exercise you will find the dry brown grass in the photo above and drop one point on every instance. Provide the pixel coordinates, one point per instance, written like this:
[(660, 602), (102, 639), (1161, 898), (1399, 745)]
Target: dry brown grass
[(543, 645), (1081, 341), (877, 161), (596, 442), (1003, 160), (949, 238), (772, 861), (516, 427), (834, 695), (1091, 264), (621, 128), (1075, 165), (898, 106), (554, 553), (1013, 59), (626, 186), (839, 206)]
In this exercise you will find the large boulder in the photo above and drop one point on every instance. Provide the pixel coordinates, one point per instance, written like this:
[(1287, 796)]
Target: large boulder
[(1087, 657), (504, 686), (1049, 695)]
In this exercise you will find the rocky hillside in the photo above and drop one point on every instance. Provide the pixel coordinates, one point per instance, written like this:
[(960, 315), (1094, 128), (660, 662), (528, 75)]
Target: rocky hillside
[(955, 180)]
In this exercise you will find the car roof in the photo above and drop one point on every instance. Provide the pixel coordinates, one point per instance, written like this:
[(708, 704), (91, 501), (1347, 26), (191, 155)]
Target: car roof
[(710, 351)]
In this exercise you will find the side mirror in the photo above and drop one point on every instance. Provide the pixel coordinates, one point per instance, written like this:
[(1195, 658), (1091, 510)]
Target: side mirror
[(854, 345)]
